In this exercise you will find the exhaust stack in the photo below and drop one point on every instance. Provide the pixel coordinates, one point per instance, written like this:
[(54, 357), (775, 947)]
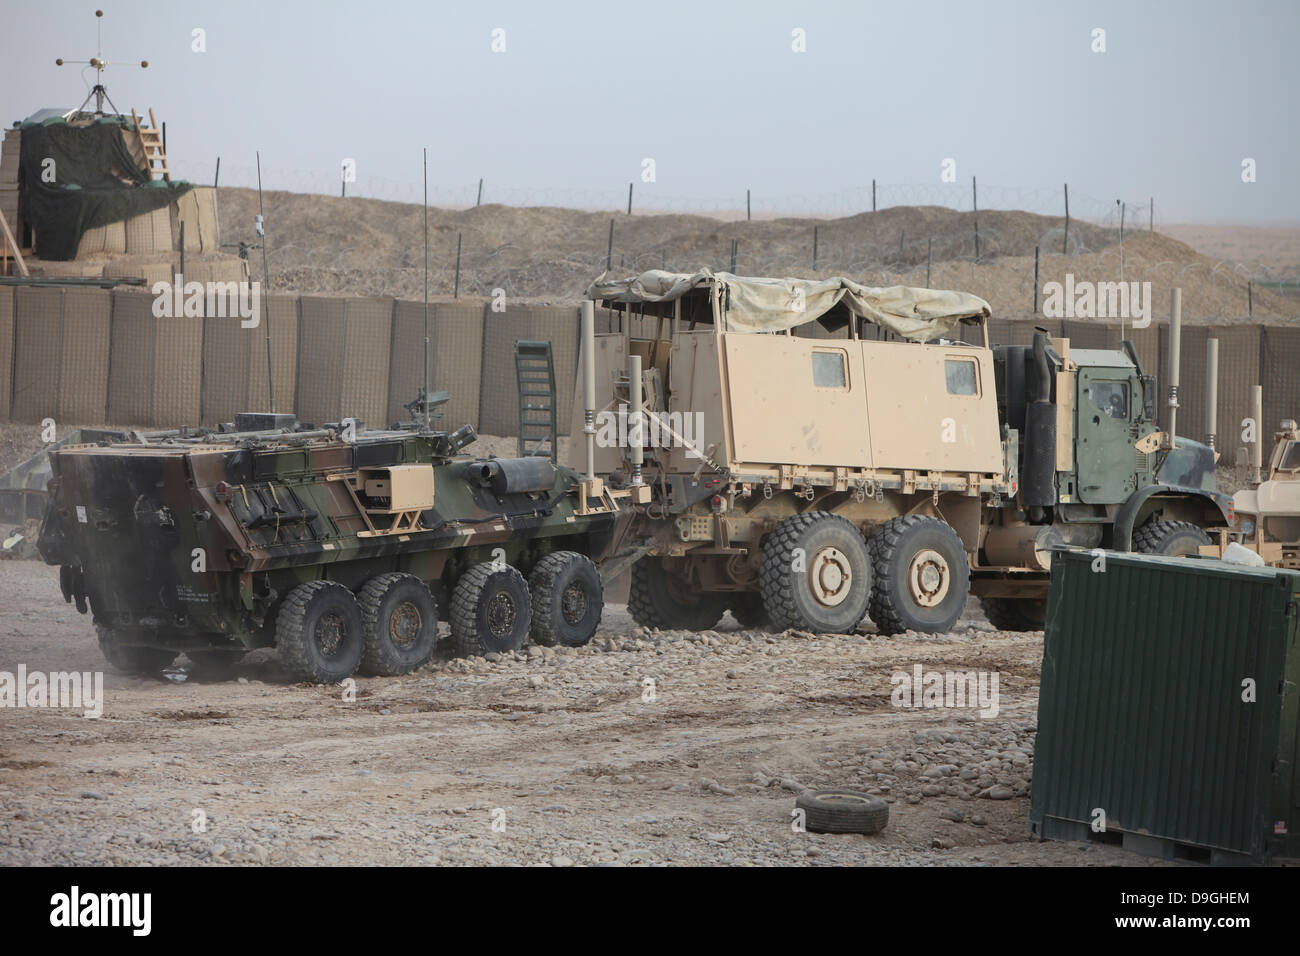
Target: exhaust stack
[(1175, 356), (635, 437), (588, 333), (1257, 449), (1211, 392)]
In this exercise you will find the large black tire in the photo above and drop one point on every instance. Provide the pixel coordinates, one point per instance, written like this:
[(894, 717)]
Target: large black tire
[(490, 610), (1171, 538), (1015, 614), (399, 619), (922, 575), (319, 633), (659, 599), (816, 574), (748, 610), (130, 659), (842, 811), (568, 599), (214, 665)]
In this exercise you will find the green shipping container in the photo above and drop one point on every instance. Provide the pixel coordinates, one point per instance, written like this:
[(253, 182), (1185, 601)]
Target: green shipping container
[(1145, 712)]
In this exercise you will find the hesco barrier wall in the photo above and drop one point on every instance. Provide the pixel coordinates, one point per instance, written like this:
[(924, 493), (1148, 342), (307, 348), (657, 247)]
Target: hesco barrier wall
[(91, 356)]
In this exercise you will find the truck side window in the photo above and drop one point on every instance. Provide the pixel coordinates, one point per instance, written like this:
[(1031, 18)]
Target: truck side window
[(1110, 397), (1290, 458), (960, 374), (828, 370)]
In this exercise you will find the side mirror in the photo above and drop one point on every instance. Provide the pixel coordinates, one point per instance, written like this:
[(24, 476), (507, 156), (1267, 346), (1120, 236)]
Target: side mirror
[(1149, 397)]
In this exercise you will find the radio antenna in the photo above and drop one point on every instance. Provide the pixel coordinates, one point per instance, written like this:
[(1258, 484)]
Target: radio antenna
[(426, 288), (99, 63)]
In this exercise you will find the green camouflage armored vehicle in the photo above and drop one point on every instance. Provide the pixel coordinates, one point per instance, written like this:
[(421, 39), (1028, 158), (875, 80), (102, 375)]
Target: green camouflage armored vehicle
[(338, 545)]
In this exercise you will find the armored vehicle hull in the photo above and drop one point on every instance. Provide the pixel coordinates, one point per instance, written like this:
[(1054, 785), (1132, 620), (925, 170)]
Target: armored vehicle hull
[(344, 554)]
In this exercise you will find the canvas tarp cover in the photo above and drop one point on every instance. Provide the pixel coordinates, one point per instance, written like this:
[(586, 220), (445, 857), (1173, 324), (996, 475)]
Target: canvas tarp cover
[(96, 182), (773, 305)]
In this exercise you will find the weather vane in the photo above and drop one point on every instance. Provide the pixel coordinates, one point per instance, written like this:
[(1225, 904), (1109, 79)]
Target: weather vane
[(99, 63)]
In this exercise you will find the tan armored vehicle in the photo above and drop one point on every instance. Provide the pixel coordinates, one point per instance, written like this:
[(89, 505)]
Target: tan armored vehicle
[(1268, 515), (811, 452)]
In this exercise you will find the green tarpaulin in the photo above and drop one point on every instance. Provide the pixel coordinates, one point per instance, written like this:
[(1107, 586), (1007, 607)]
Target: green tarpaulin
[(75, 178)]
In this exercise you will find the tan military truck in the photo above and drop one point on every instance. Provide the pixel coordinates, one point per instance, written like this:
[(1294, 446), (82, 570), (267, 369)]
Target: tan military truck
[(1267, 515), (880, 466)]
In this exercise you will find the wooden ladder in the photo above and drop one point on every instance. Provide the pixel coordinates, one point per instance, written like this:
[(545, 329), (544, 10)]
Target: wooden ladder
[(151, 140)]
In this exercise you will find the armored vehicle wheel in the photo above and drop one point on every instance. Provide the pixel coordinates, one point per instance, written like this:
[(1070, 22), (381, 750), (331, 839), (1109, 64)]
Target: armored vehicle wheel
[(1015, 614), (319, 632), (748, 610), (816, 574), (216, 664), (922, 575), (1172, 538), (568, 599), (130, 659), (659, 599), (842, 811), (490, 610), (399, 620)]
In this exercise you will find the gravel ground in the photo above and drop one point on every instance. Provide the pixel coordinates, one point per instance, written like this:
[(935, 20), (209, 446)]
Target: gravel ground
[(552, 757)]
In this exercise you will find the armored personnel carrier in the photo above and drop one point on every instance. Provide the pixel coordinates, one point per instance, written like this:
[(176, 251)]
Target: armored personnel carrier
[(341, 546)]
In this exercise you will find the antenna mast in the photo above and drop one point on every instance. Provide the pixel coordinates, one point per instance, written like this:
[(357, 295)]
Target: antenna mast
[(426, 289), (99, 63)]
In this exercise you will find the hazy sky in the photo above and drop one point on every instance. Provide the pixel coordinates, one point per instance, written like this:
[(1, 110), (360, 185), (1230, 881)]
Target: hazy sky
[(712, 92)]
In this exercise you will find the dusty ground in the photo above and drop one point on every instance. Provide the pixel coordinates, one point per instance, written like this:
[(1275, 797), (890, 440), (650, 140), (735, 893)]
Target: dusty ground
[(580, 768)]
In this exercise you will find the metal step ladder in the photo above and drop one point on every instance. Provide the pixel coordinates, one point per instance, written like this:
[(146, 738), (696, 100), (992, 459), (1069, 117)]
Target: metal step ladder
[(151, 141), (535, 373)]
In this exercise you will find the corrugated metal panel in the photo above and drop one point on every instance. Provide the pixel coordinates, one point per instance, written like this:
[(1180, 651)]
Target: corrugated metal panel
[(1141, 712)]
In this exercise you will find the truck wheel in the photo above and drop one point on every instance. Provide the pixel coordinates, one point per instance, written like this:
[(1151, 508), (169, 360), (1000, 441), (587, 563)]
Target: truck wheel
[(662, 600), (319, 633), (214, 665), (1015, 614), (131, 659), (748, 610), (816, 574), (922, 575), (1172, 538), (842, 811), (490, 610), (399, 619), (567, 599)]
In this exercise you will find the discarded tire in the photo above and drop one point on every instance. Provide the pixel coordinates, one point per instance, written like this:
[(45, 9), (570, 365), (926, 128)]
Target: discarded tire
[(842, 811)]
